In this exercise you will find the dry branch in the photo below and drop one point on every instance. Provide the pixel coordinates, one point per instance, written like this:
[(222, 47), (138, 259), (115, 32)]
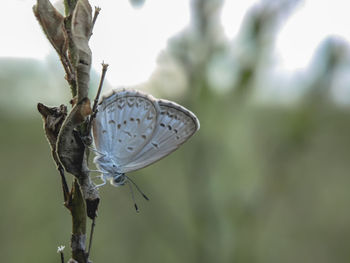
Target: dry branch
[(70, 36)]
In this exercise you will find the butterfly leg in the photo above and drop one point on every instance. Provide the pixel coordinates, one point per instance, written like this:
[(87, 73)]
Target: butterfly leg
[(104, 182), (95, 171), (100, 176), (96, 151), (96, 176)]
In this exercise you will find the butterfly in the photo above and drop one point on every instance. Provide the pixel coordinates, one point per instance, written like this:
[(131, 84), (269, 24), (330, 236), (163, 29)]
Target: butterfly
[(132, 130)]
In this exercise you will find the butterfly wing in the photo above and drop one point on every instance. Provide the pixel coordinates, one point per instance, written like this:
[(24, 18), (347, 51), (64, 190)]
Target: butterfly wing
[(124, 124), (174, 126)]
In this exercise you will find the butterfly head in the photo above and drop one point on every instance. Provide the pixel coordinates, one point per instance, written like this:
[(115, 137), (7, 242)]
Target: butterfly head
[(118, 179)]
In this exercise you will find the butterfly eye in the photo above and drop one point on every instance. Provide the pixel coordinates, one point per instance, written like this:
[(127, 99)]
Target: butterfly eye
[(114, 166), (119, 179)]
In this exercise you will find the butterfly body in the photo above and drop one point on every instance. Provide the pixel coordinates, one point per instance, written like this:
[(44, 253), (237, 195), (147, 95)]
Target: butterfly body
[(133, 130), (109, 170)]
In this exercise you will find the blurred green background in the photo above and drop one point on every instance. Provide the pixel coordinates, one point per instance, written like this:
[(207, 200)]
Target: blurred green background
[(264, 180)]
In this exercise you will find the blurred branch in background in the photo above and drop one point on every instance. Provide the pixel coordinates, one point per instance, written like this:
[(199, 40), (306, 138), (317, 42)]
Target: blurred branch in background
[(245, 152), (265, 180)]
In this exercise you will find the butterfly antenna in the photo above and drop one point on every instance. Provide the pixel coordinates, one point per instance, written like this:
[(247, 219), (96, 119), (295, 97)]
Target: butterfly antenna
[(133, 198), (138, 189)]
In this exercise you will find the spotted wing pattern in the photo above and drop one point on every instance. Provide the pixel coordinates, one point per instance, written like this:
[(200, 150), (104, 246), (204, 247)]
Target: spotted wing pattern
[(124, 124), (175, 125), (136, 130)]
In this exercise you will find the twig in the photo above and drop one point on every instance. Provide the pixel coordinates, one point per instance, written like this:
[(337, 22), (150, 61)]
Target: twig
[(60, 250), (69, 36), (68, 68), (87, 136), (64, 185), (96, 13), (91, 236), (104, 70), (78, 211)]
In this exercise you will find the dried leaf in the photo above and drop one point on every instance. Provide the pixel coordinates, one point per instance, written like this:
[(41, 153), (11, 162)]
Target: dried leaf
[(52, 23), (53, 118), (71, 153), (81, 32), (81, 28), (70, 148)]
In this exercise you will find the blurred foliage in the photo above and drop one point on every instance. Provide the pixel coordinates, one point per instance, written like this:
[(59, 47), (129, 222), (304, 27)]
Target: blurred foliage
[(264, 180), (137, 3)]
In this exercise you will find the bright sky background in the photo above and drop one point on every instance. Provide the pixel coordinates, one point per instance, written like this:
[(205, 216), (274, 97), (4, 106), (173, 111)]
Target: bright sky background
[(130, 39)]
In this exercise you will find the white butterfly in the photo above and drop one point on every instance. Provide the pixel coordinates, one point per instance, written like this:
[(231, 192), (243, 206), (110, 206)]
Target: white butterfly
[(133, 130)]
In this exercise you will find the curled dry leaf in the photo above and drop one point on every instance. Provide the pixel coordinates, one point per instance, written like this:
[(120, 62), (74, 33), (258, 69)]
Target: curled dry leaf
[(81, 32), (72, 156), (82, 25), (52, 23), (70, 148), (53, 118)]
